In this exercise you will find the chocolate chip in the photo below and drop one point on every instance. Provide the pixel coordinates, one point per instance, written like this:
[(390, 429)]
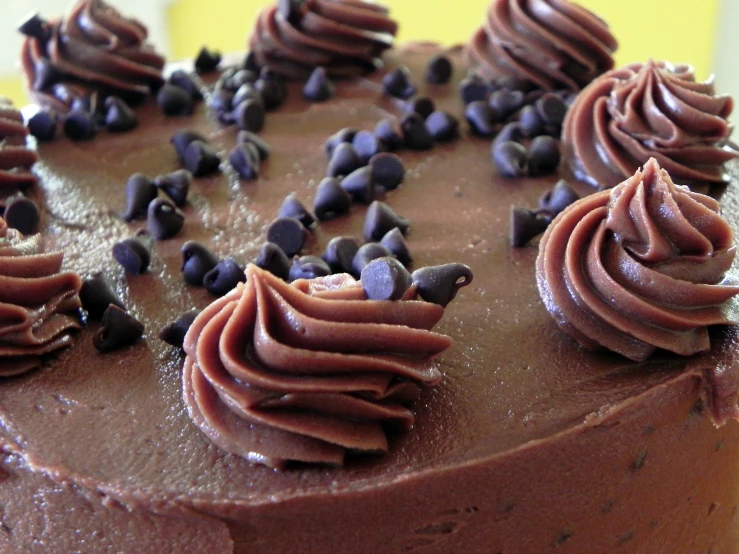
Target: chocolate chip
[(119, 117), (367, 253), (308, 267), (248, 137), (530, 122), (176, 185), (360, 185), (422, 105), (442, 126), (380, 219), (221, 103), (35, 26), (557, 199), (22, 214), (245, 92), (509, 159), (46, 74), (526, 224), (184, 80), (43, 124), (385, 279), (339, 254), (237, 80), (140, 191), (366, 144), (474, 89), (200, 158), (506, 102), (482, 118), (163, 219), (273, 92), (440, 284), (182, 139), (250, 115), (250, 62), (389, 132), (197, 260), (271, 258), (551, 108), (174, 101), (293, 207), (96, 295), (83, 103), (544, 155), (415, 134), (343, 161), (174, 333), (397, 83), (79, 125), (245, 160), (207, 60), (439, 70), (224, 277), (330, 200), (388, 170), (318, 87), (119, 329), (288, 233), (395, 242), (134, 254), (510, 132)]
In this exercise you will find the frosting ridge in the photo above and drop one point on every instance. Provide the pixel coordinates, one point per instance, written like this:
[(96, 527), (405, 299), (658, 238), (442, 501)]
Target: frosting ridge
[(16, 159)]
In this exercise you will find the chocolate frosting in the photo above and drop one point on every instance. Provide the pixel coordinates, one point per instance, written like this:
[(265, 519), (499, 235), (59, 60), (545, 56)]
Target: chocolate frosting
[(346, 37), (639, 267), (16, 159), (92, 48), (649, 110), (552, 44), (307, 372)]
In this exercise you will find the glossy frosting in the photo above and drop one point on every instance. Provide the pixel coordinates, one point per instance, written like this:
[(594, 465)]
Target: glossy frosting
[(553, 44), (640, 111), (92, 48), (16, 159), (639, 267), (346, 37)]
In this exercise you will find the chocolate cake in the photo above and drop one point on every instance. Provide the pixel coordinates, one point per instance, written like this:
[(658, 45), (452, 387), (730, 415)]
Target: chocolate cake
[(527, 443)]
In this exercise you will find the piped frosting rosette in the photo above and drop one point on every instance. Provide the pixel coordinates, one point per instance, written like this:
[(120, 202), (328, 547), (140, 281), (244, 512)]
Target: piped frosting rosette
[(346, 37), (553, 44), (38, 302), (640, 111), (309, 371), (16, 159), (93, 48), (639, 267)]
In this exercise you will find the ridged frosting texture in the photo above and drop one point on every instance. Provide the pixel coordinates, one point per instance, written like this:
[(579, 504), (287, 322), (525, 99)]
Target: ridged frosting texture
[(553, 44), (16, 159), (38, 302), (93, 48), (346, 37), (307, 372), (639, 267), (640, 111)]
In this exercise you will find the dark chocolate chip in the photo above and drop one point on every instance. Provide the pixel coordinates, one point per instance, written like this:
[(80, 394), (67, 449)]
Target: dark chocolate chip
[(175, 332), (240, 78), (35, 26), (388, 170), (176, 185), (506, 102), (184, 80), (509, 159), (46, 74), (119, 117), (79, 125), (339, 254), (385, 279), (318, 87), (84, 103), (397, 83), (442, 126), (288, 233), (308, 267), (526, 224), (245, 92), (22, 214), (482, 118), (389, 132), (439, 70), (224, 277), (557, 199), (544, 155), (251, 138), (221, 103), (271, 258), (343, 161), (119, 329), (43, 124), (380, 219), (134, 254), (474, 89), (197, 260), (344, 135), (360, 185), (510, 132), (440, 284), (140, 191), (395, 242), (273, 91), (96, 295), (367, 253), (422, 105), (530, 122), (245, 160), (366, 144), (330, 200), (174, 101), (415, 134), (250, 62), (551, 108), (163, 219), (182, 139), (207, 60), (293, 207), (250, 115), (200, 158)]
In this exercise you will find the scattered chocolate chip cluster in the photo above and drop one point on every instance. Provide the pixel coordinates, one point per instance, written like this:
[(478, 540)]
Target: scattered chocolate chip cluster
[(527, 224), (179, 95)]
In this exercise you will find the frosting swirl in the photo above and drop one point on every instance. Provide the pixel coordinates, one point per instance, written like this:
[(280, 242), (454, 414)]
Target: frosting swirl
[(639, 267), (37, 302), (640, 111), (308, 371), (92, 48), (15, 158), (346, 37), (552, 44)]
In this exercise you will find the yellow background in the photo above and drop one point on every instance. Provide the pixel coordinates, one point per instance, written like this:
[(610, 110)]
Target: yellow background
[(662, 29)]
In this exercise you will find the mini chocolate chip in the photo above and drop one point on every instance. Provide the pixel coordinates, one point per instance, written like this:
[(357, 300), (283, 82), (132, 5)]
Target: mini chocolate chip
[(389, 132), (388, 170), (308, 267), (163, 219), (557, 199), (240, 78), (271, 258), (544, 155), (530, 122), (200, 158), (482, 118), (439, 284), (245, 92), (293, 207), (339, 254), (96, 295), (367, 253), (207, 60), (46, 74), (35, 26), (174, 101), (174, 333), (415, 134), (395, 242), (274, 92), (343, 161), (288, 233), (119, 117), (439, 70), (176, 185), (380, 219), (43, 124), (245, 160), (140, 191), (551, 108), (366, 144), (197, 260), (506, 102), (22, 214), (119, 329), (526, 224), (318, 87), (509, 159), (134, 254), (250, 115), (510, 132), (442, 126), (182, 139), (330, 200), (261, 146), (397, 83), (184, 80), (360, 185), (79, 125), (250, 62), (385, 279), (224, 277), (83, 103), (221, 103), (422, 105), (344, 135), (474, 89)]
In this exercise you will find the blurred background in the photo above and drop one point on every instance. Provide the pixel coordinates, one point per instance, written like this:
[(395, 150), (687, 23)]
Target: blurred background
[(701, 33)]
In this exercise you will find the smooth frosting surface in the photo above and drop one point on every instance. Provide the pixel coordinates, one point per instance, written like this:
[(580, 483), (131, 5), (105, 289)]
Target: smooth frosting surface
[(16, 159)]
